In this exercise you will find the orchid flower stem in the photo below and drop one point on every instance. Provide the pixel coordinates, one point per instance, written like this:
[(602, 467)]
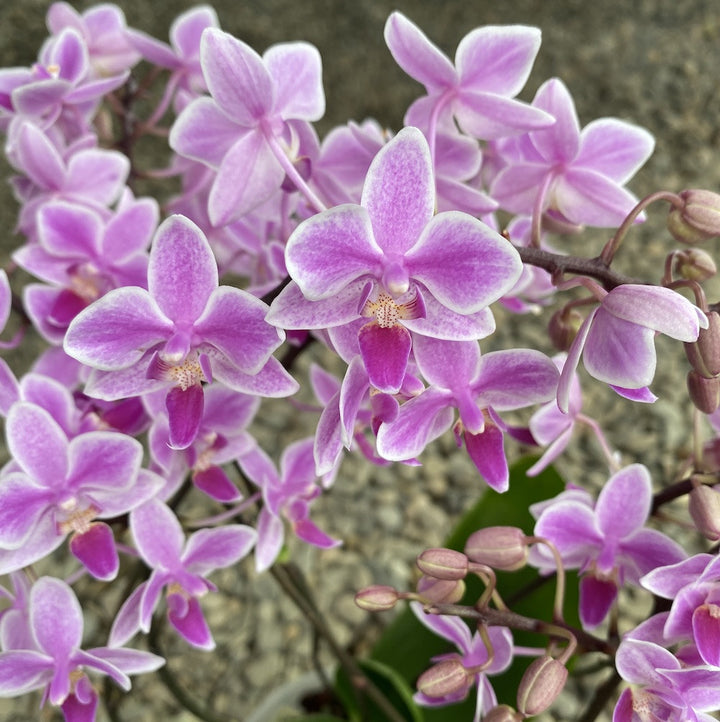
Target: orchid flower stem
[(695, 287), (611, 247), (697, 439), (225, 515), (442, 101), (292, 172), (162, 106), (560, 582), (538, 209), (602, 440), (288, 576), (176, 688)]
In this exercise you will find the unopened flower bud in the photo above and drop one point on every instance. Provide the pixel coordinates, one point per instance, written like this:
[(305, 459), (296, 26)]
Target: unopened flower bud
[(502, 713), (563, 327), (445, 678), (698, 219), (377, 598), (540, 686), (694, 264), (443, 564), (704, 354), (440, 591), (704, 393), (500, 547), (704, 507)]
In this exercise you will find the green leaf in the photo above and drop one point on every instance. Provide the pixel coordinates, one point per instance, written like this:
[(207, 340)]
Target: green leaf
[(395, 688), (406, 646)]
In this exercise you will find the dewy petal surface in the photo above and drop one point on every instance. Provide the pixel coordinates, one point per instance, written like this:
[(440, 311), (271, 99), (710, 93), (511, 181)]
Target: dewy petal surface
[(464, 263), (399, 191)]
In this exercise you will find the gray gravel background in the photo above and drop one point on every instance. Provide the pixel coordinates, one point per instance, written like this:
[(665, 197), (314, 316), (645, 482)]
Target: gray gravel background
[(653, 62)]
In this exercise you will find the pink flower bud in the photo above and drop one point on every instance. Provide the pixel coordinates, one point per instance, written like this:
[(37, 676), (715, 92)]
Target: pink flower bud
[(704, 354), (698, 219), (563, 327), (695, 265), (440, 591), (445, 678), (704, 393), (540, 686), (704, 507), (500, 547), (377, 598), (445, 564), (502, 713)]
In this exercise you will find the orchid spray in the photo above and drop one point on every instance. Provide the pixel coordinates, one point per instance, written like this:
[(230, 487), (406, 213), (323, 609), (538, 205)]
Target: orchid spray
[(217, 347)]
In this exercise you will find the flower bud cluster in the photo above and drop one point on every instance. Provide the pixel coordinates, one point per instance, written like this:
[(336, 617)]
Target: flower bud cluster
[(697, 219)]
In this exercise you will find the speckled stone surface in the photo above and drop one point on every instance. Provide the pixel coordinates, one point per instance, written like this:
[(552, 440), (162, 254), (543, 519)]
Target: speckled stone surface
[(652, 62)]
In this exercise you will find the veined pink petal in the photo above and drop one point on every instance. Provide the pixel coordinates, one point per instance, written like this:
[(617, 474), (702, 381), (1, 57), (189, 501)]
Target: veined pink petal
[(22, 503), (158, 534), (385, 352), (214, 482), (623, 505), (442, 323), (71, 230), (614, 148), (416, 55), (248, 176), (497, 59), (399, 191), (203, 132), (332, 249), (182, 272), (464, 263), (38, 444), (271, 534), (561, 142), (236, 77), (567, 374), (116, 330), (234, 323), (419, 421), (353, 391), (619, 352), (104, 461), (96, 550), (272, 381), (447, 364), (56, 618), (489, 116), (97, 175), (24, 671), (186, 29), (296, 70), (38, 158), (210, 549), (658, 308)]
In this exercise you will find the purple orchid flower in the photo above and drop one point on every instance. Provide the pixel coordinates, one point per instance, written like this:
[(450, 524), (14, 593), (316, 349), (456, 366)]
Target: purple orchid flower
[(616, 340), (609, 543), (88, 176), (579, 175), (694, 587), (104, 31), (181, 566), (287, 494), (478, 386), (222, 437), (472, 653), (57, 487), (60, 87), (393, 260), (491, 66), (56, 662), (244, 130), (183, 331), (84, 256), (669, 690)]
